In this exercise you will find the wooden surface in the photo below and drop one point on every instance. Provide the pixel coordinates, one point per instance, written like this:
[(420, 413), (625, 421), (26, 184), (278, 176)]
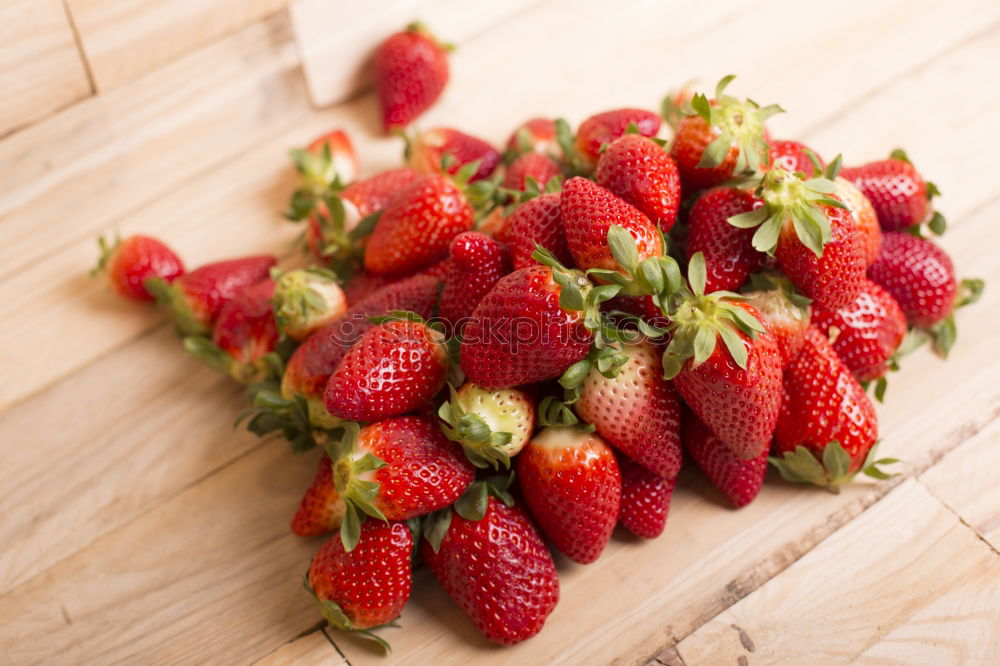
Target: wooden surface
[(139, 527)]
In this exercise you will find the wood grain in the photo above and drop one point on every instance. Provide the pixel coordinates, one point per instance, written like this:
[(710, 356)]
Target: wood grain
[(966, 480), (313, 649), (41, 70), (873, 575), (124, 39)]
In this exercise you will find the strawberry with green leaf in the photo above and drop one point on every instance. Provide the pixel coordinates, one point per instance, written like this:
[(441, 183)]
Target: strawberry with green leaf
[(730, 256), (130, 262), (601, 129), (492, 425), (724, 363), (720, 138), (537, 135), (449, 150), (898, 193), (410, 71), (307, 299), (639, 170)]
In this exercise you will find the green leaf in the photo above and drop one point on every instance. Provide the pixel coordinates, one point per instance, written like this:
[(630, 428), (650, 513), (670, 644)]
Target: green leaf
[(350, 528), (899, 154), (836, 460), (704, 344), (749, 219), (735, 346), (575, 374), (715, 153), (766, 237), (697, 274), (880, 387), (473, 503), (969, 291), (724, 82), (564, 137), (623, 248), (937, 224), (701, 106), (436, 527)]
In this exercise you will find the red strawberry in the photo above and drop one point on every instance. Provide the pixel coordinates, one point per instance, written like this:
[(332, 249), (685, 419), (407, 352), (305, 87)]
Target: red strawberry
[(335, 235), (645, 499), (729, 254), (325, 166), (642, 173), (739, 480), (449, 150), (918, 274), (603, 128), (414, 231), (529, 328), (589, 211), (537, 221), (399, 468), (897, 192), (865, 218), (130, 262), (363, 284), (794, 156), (410, 72), (719, 138), (785, 312), (535, 166), (477, 262), (195, 299), (734, 387), (571, 482), (307, 299), (244, 332), (866, 333), (344, 159), (536, 135), (637, 411), (308, 370), (368, 586), (393, 369), (491, 425), (496, 568), (813, 236), (827, 425)]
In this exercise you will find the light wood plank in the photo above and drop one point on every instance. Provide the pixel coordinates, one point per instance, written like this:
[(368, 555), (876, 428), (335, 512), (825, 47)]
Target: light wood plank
[(212, 576), (870, 577), (960, 627), (313, 649), (347, 32), (966, 480), (124, 39), (41, 70)]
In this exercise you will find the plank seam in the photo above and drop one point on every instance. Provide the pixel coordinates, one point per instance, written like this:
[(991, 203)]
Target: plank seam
[(79, 48), (957, 515), (332, 642)]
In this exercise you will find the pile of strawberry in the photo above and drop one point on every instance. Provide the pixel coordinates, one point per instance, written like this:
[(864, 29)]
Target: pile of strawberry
[(503, 352)]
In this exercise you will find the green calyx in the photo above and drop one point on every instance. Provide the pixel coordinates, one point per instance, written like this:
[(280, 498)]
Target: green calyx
[(350, 479), (334, 614), (172, 297), (472, 505), (789, 198), (304, 422), (107, 250), (554, 413), (299, 296), (654, 276), (319, 181), (802, 466), (698, 320), (482, 446), (740, 123)]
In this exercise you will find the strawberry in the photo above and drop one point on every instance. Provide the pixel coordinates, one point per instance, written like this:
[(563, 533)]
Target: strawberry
[(813, 236), (325, 166), (195, 299), (535, 166), (368, 586), (410, 72), (794, 156), (865, 218), (307, 299), (918, 274), (571, 482), (898, 193), (414, 231), (589, 211), (603, 128), (536, 135), (394, 469), (394, 368), (637, 411), (245, 332), (865, 333), (449, 150), (739, 480), (537, 221), (529, 328), (333, 226), (827, 428), (734, 387), (495, 566), (720, 138), (477, 262), (343, 159), (645, 499), (129, 263), (363, 284), (784, 311), (641, 172), (729, 254), (491, 425)]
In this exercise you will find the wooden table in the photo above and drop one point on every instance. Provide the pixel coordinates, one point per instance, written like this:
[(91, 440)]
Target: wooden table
[(138, 526)]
